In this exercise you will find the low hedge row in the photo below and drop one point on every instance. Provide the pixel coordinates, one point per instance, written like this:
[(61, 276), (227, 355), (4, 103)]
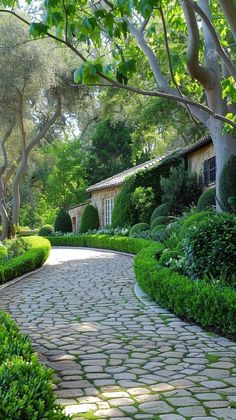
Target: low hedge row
[(28, 261), (116, 243), (210, 305), (25, 385)]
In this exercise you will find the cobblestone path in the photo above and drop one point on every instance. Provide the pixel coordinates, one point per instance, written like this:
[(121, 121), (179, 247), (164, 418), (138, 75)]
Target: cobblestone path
[(115, 358)]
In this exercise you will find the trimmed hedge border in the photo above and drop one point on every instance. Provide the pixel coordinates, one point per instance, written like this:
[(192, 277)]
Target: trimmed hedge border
[(28, 261), (116, 243), (209, 305), (25, 385)]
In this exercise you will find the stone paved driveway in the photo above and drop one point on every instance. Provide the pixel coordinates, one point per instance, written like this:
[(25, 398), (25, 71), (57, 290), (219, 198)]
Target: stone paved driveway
[(115, 358)]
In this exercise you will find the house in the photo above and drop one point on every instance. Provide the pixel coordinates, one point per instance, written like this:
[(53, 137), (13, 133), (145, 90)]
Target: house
[(199, 158)]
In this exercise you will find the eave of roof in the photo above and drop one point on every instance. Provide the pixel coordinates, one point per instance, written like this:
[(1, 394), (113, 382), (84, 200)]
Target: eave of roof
[(118, 179)]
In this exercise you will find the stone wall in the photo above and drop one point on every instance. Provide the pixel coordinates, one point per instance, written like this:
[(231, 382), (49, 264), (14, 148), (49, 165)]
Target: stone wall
[(76, 213), (97, 199), (196, 159)]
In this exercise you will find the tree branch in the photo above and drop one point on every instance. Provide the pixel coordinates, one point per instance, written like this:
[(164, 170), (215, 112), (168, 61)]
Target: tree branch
[(229, 9), (170, 63), (220, 51), (45, 128), (115, 84), (204, 76)]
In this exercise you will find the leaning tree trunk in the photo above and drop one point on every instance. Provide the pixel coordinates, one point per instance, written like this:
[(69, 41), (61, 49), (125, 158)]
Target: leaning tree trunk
[(16, 194), (5, 220)]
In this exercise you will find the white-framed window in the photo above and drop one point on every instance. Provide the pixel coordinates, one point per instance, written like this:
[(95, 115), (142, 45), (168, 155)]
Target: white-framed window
[(108, 207)]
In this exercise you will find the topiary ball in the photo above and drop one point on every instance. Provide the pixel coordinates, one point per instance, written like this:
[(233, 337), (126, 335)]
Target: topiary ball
[(46, 230), (89, 219), (159, 227), (63, 221), (207, 200), (139, 227), (162, 210), (161, 220), (228, 183)]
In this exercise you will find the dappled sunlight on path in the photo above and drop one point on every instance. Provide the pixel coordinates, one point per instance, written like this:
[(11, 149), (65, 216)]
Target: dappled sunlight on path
[(114, 357)]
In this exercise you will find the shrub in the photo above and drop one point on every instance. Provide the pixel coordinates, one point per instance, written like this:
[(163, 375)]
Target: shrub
[(25, 384), (181, 189), (228, 183), (3, 251), (63, 221), (207, 200), (161, 220), (207, 304), (167, 256), (46, 230), (192, 220), (162, 210), (16, 247), (117, 243), (28, 261), (159, 227), (89, 219), (139, 227), (210, 247), (143, 198), (124, 211)]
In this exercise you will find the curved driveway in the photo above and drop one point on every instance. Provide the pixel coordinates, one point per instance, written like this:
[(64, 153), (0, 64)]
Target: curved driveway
[(115, 358)]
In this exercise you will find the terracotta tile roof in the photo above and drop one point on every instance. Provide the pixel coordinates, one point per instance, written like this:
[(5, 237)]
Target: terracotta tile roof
[(118, 179)]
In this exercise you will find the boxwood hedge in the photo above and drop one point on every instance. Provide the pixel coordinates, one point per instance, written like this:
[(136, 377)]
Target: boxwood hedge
[(210, 305), (25, 385), (28, 261)]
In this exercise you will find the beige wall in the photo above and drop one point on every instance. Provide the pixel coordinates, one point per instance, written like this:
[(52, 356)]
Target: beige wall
[(76, 213), (97, 198), (196, 159)]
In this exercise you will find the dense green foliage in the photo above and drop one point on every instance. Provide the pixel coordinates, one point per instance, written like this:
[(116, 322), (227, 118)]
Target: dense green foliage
[(89, 219), (207, 199), (110, 150), (193, 220), (124, 212), (63, 221), (210, 248), (228, 184), (162, 210), (3, 251), (142, 199), (16, 246), (46, 230), (181, 189), (207, 304), (25, 384), (161, 220), (139, 227), (29, 260)]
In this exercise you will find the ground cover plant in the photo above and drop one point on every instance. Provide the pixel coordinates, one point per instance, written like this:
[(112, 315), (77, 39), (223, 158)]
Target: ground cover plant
[(25, 385)]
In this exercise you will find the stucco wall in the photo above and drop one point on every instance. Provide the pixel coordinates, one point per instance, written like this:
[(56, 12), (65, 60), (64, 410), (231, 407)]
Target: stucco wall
[(196, 159), (97, 198), (77, 213)]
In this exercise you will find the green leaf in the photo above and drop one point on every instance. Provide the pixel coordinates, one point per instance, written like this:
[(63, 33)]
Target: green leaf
[(38, 29), (78, 75)]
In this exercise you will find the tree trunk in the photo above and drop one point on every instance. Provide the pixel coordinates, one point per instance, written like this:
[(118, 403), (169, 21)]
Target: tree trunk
[(225, 147), (16, 194), (5, 222)]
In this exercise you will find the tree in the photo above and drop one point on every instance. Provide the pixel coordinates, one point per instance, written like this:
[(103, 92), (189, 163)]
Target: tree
[(22, 99), (125, 39), (110, 150)]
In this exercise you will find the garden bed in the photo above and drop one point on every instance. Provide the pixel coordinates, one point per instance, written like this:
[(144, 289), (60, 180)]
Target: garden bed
[(210, 305), (28, 261)]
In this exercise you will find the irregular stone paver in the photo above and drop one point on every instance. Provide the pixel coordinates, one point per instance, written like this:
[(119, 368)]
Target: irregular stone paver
[(113, 356)]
